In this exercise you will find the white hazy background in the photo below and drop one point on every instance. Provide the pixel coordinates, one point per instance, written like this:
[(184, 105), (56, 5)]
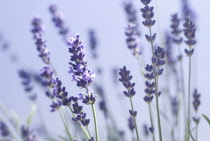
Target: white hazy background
[(108, 19)]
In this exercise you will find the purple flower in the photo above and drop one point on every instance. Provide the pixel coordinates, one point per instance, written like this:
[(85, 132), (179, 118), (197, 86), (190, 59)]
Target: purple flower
[(55, 105), (189, 33), (125, 78), (175, 29), (78, 111), (131, 15), (147, 14), (149, 83), (78, 66), (103, 107), (47, 75), (196, 101), (145, 130), (26, 81), (169, 52), (146, 2), (57, 18), (174, 106), (4, 130), (93, 43), (158, 60), (131, 124), (27, 134), (37, 31), (132, 39)]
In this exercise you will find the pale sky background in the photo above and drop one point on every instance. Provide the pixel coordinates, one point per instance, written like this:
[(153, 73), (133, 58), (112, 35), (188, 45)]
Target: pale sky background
[(108, 19)]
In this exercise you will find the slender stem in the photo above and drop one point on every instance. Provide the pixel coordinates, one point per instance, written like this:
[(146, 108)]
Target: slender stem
[(66, 127), (94, 116), (95, 122), (6, 114), (156, 91), (137, 134), (189, 82), (196, 129), (86, 134), (151, 120), (183, 91), (88, 130), (41, 118)]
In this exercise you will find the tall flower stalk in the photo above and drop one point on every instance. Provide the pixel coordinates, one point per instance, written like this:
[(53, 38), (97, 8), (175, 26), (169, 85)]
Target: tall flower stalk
[(125, 78), (58, 20), (38, 31), (177, 40), (149, 91), (82, 75), (189, 33), (148, 14)]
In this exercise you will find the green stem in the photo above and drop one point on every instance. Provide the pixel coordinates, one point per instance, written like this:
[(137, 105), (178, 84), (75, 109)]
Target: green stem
[(88, 131), (151, 120), (41, 118), (156, 91), (183, 92), (66, 127), (94, 116), (196, 132), (86, 134), (189, 82), (95, 122), (137, 134)]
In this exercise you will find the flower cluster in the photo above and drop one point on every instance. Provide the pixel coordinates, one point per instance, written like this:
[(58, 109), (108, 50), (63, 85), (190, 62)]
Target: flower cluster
[(4, 130), (78, 111), (196, 104), (196, 101), (147, 14), (27, 134), (58, 90), (132, 39), (189, 33), (145, 130), (125, 78), (26, 81), (131, 15), (174, 106), (78, 66), (57, 18), (131, 124), (87, 98), (47, 75), (158, 60), (175, 29), (37, 31), (169, 51), (149, 83), (93, 43)]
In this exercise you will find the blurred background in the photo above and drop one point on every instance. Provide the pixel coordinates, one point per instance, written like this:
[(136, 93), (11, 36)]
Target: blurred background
[(108, 20)]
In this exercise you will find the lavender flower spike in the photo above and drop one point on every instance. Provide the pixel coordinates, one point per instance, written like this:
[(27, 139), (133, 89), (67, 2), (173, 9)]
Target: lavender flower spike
[(4, 130), (189, 33), (37, 31), (78, 66), (132, 39), (125, 78), (57, 18)]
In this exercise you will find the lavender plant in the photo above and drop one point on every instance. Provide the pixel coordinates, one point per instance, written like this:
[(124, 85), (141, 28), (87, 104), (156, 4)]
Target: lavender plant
[(125, 78), (78, 104), (189, 33)]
